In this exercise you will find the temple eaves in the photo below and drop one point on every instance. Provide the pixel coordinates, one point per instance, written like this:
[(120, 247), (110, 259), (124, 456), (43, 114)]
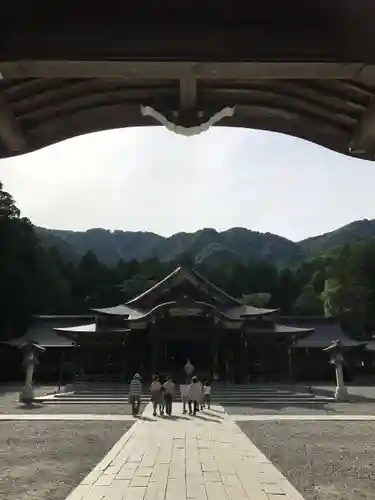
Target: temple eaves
[(188, 67)]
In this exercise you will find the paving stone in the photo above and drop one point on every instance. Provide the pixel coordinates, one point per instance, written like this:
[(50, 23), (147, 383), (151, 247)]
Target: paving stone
[(126, 474), (175, 490), (196, 491), (230, 479), (216, 491), (236, 492), (273, 488), (271, 496), (97, 493), (105, 480), (156, 491), (185, 459), (211, 477), (79, 492), (209, 466), (143, 471), (136, 493), (139, 481)]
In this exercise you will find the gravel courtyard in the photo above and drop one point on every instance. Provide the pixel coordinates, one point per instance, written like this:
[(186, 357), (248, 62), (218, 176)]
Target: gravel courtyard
[(323, 460), (9, 404), (303, 409), (46, 460)]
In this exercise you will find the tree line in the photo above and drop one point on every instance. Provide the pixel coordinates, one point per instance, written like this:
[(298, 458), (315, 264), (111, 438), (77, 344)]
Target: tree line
[(36, 280)]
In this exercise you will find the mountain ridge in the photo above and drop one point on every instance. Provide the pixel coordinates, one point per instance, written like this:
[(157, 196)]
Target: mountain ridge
[(206, 245)]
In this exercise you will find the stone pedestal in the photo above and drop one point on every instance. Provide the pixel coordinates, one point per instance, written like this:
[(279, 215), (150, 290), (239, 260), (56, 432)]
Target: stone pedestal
[(30, 350), (27, 394), (341, 392), (336, 350)]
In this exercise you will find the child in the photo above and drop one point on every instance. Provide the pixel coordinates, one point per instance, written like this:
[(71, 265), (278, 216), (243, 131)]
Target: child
[(207, 394)]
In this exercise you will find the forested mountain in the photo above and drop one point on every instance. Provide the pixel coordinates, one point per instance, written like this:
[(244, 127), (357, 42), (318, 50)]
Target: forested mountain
[(355, 232), (206, 246), (58, 272)]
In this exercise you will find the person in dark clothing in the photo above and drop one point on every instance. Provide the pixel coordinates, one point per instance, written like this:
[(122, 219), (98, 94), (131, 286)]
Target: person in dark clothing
[(169, 389), (135, 393), (156, 395)]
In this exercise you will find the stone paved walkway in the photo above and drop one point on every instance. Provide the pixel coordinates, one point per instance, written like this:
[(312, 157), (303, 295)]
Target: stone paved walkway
[(206, 457), (111, 417)]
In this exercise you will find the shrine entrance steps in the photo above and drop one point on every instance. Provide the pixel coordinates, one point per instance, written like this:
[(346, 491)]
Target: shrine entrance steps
[(222, 394)]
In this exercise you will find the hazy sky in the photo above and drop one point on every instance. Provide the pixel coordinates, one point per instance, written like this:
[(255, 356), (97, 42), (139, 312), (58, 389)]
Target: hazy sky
[(152, 180)]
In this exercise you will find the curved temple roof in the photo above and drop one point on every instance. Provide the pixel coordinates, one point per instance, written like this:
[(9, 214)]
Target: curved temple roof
[(298, 68), (149, 301), (325, 331), (239, 313)]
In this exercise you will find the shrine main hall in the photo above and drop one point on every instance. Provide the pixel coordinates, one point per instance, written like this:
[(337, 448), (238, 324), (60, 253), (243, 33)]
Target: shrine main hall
[(182, 317)]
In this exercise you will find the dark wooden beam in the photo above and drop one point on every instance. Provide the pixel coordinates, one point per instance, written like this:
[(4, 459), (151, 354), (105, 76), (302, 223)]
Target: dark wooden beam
[(188, 92), (363, 140), (194, 41), (178, 69), (11, 134)]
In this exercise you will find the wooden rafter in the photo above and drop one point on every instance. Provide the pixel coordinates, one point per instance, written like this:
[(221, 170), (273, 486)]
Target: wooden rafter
[(11, 134), (363, 140)]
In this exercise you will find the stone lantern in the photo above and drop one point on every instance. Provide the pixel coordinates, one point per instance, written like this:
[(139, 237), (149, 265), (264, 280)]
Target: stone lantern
[(31, 351), (336, 351), (189, 369)]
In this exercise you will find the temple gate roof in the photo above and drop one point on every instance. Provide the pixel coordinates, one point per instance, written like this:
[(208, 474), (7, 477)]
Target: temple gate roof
[(301, 68)]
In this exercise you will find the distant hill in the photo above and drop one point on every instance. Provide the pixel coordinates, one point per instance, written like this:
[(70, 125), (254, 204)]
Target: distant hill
[(204, 246), (354, 232)]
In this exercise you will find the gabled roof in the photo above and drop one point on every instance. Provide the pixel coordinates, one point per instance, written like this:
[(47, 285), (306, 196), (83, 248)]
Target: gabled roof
[(179, 275), (326, 331), (90, 328), (44, 337), (138, 308), (276, 329), (231, 313)]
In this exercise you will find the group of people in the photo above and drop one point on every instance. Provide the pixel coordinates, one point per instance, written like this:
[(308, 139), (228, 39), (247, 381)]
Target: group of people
[(162, 395), (197, 395)]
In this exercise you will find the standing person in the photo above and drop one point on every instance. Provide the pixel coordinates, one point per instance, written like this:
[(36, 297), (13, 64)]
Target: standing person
[(194, 396), (207, 394), (156, 394), (201, 397), (135, 392), (169, 388), (184, 390), (162, 400)]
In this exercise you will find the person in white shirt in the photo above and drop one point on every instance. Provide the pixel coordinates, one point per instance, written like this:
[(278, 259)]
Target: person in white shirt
[(195, 394), (156, 395), (207, 394)]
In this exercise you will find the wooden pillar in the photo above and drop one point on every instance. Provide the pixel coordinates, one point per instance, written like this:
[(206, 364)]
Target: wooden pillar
[(216, 344), (244, 358), (155, 344), (290, 362), (214, 350)]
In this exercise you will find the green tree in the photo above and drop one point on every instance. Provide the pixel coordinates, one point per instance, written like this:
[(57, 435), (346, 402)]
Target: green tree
[(256, 299), (19, 276)]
